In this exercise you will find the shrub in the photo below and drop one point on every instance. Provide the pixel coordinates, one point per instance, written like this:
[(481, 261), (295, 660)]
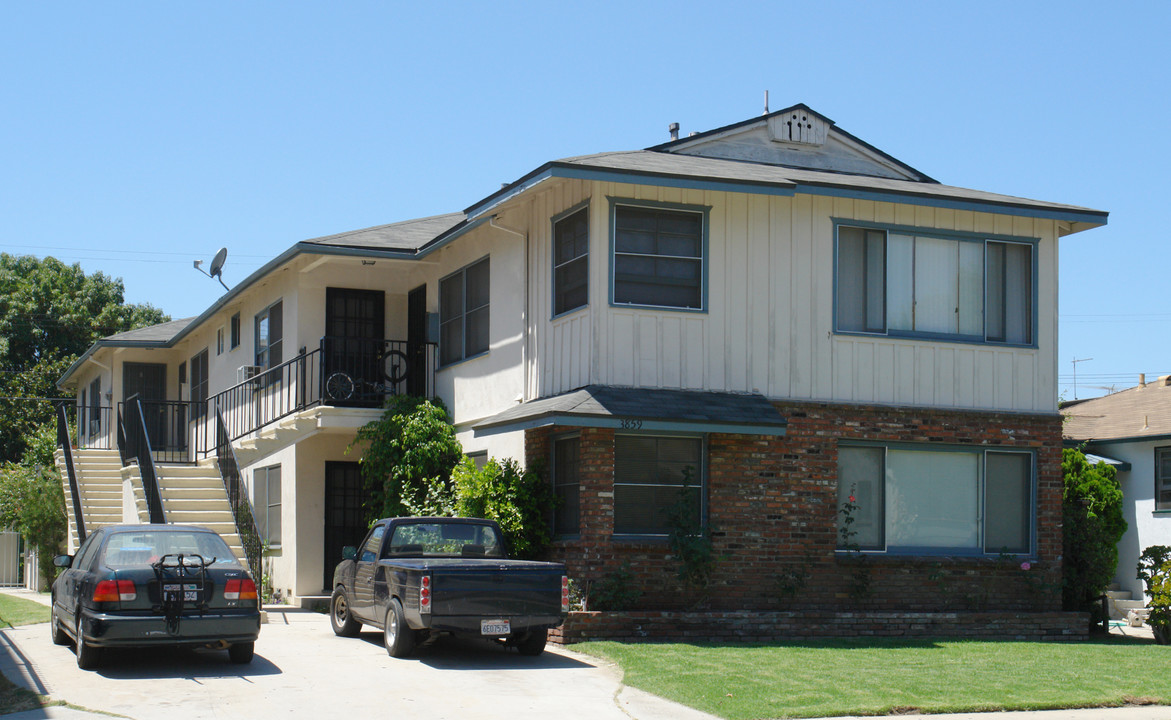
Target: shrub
[(618, 590), (32, 502), (1093, 525), (518, 500), (691, 541), (1154, 569), (412, 448)]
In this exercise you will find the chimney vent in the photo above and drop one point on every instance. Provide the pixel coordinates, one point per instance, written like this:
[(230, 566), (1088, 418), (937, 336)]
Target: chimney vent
[(673, 128), (1142, 380)]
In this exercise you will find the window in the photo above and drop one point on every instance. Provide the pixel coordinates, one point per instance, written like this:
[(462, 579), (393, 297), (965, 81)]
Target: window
[(566, 485), (266, 502), (930, 502), (234, 332), (219, 341), (199, 384), (269, 336), (571, 247), (658, 257), (463, 313), (479, 458), (373, 544), (651, 474), (1163, 478), (910, 283), (95, 406)]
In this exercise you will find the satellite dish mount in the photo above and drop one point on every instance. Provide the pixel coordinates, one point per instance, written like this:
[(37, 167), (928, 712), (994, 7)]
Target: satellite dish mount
[(217, 267)]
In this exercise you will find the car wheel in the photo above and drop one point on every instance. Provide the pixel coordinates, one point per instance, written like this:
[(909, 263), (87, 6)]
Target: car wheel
[(340, 618), (534, 642), (398, 638), (241, 653), (60, 637), (88, 656)]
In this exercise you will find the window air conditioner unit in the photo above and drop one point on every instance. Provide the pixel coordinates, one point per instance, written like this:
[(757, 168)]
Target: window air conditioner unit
[(244, 373)]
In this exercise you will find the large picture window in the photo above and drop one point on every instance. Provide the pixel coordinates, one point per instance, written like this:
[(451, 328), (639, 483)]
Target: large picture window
[(916, 283), (658, 258), (571, 247), (1163, 478), (917, 501), (463, 313), (651, 474)]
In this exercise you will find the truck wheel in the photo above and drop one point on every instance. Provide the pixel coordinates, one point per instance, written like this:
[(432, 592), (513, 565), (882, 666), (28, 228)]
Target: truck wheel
[(534, 643), (241, 653), (340, 618), (398, 638), (88, 656)]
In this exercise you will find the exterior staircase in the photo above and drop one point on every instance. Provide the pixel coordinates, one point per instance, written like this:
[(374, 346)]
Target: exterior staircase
[(99, 478), (1123, 606), (272, 437), (192, 495)]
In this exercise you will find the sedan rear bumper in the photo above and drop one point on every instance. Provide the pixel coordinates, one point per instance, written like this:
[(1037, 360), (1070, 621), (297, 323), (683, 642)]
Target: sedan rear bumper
[(113, 630)]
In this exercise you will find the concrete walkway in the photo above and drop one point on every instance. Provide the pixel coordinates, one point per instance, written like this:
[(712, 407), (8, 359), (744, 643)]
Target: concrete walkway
[(301, 670)]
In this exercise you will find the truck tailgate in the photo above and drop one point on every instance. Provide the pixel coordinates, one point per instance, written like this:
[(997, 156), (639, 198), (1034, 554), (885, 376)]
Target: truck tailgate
[(496, 590)]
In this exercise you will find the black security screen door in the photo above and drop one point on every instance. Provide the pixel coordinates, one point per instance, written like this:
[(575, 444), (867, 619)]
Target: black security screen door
[(149, 382), (355, 331), (345, 522)]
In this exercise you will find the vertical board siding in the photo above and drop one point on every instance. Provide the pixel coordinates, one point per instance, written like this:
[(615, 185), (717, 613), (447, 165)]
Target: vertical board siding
[(768, 325)]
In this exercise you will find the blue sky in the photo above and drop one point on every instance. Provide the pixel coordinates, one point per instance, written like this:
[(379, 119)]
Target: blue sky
[(137, 137)]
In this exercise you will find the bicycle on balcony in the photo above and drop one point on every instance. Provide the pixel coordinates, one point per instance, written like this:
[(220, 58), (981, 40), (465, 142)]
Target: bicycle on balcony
[(390, 370)]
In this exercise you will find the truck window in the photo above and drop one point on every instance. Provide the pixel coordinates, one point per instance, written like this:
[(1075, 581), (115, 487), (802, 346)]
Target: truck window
[(445, 539), (373, 542)]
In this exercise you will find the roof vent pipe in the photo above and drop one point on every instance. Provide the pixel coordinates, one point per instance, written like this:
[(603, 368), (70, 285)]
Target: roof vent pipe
[(1142, 380), (673, 128), (765, 103)]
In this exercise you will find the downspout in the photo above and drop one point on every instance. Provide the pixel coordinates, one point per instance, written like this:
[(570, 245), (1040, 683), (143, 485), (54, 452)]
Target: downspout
[(524, 346)]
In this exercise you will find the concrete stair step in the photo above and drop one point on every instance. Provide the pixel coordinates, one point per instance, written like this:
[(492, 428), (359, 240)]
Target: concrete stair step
[(1115, 594)]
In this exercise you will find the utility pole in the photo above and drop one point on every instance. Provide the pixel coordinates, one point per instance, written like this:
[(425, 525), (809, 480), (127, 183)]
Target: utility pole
[(1075, 361)]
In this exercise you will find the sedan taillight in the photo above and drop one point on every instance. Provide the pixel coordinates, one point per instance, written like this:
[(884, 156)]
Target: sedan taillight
[(240, 589), (115, 590)]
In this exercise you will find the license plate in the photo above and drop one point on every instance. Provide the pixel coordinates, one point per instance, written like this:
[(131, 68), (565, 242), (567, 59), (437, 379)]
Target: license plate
[(495, 627), (190, 592)]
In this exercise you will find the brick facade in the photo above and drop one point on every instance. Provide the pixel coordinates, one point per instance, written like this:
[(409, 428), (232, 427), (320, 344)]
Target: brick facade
[(772, 504)]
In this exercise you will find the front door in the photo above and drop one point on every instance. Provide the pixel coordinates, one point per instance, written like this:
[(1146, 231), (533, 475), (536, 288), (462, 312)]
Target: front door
[(345, 521), (355, 332), (417, 341), (149, 382)]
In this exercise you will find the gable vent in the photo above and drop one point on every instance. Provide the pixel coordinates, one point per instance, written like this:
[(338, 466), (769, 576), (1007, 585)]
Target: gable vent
[(798, 128)]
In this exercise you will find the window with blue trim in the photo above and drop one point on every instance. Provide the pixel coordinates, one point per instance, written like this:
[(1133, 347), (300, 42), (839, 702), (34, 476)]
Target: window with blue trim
[(916, 501), (651, 476), (1163, 478), (463, 313), (571, 248), (658, 257), (913, 283)]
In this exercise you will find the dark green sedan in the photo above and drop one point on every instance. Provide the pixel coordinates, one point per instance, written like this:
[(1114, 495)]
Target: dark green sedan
[(151, 586)]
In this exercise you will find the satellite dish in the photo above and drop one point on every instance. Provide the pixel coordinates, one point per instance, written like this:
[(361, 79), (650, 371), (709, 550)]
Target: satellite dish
[(217, 263), (217, 267)]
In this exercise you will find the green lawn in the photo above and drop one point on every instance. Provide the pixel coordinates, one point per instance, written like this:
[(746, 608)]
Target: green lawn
[(18, 611), (874, 677)]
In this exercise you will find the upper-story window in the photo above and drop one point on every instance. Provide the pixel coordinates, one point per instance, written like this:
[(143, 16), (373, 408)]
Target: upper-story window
[(659, 255), (269, 336), (571, 248), (463, 313), (920, 283), (199, 383), (234, 332)]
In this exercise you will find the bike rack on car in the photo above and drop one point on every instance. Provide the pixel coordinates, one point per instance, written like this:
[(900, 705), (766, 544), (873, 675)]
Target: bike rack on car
[(176, 573)]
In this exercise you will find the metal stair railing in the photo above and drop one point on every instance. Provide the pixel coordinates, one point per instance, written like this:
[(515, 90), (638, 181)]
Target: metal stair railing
[(242, 513), (134, 442), (65, 443)]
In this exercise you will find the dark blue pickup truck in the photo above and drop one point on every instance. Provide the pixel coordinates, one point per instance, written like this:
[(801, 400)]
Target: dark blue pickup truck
[(420, 577)]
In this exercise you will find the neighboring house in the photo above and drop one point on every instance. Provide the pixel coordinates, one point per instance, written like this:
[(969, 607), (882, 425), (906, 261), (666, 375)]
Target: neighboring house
[(773, 316), (1131, 430)]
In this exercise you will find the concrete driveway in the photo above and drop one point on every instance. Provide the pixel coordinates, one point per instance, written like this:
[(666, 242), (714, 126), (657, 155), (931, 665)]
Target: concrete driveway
[(301, 669)]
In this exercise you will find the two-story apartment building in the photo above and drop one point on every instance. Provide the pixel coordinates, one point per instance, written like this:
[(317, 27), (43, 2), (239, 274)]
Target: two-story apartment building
[(773, 316)]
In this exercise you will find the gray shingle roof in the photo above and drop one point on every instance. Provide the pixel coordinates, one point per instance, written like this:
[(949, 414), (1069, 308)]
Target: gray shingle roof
[(160, 333), (409, 235), (715, 411), (1143, 411)]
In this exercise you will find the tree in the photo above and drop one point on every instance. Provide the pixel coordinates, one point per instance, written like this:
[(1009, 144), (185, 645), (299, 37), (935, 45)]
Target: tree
[(1093, 525), (32, 500), (50, 313)]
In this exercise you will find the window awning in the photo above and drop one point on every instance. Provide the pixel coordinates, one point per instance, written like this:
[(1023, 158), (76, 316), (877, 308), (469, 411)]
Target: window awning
[(643, 409)]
